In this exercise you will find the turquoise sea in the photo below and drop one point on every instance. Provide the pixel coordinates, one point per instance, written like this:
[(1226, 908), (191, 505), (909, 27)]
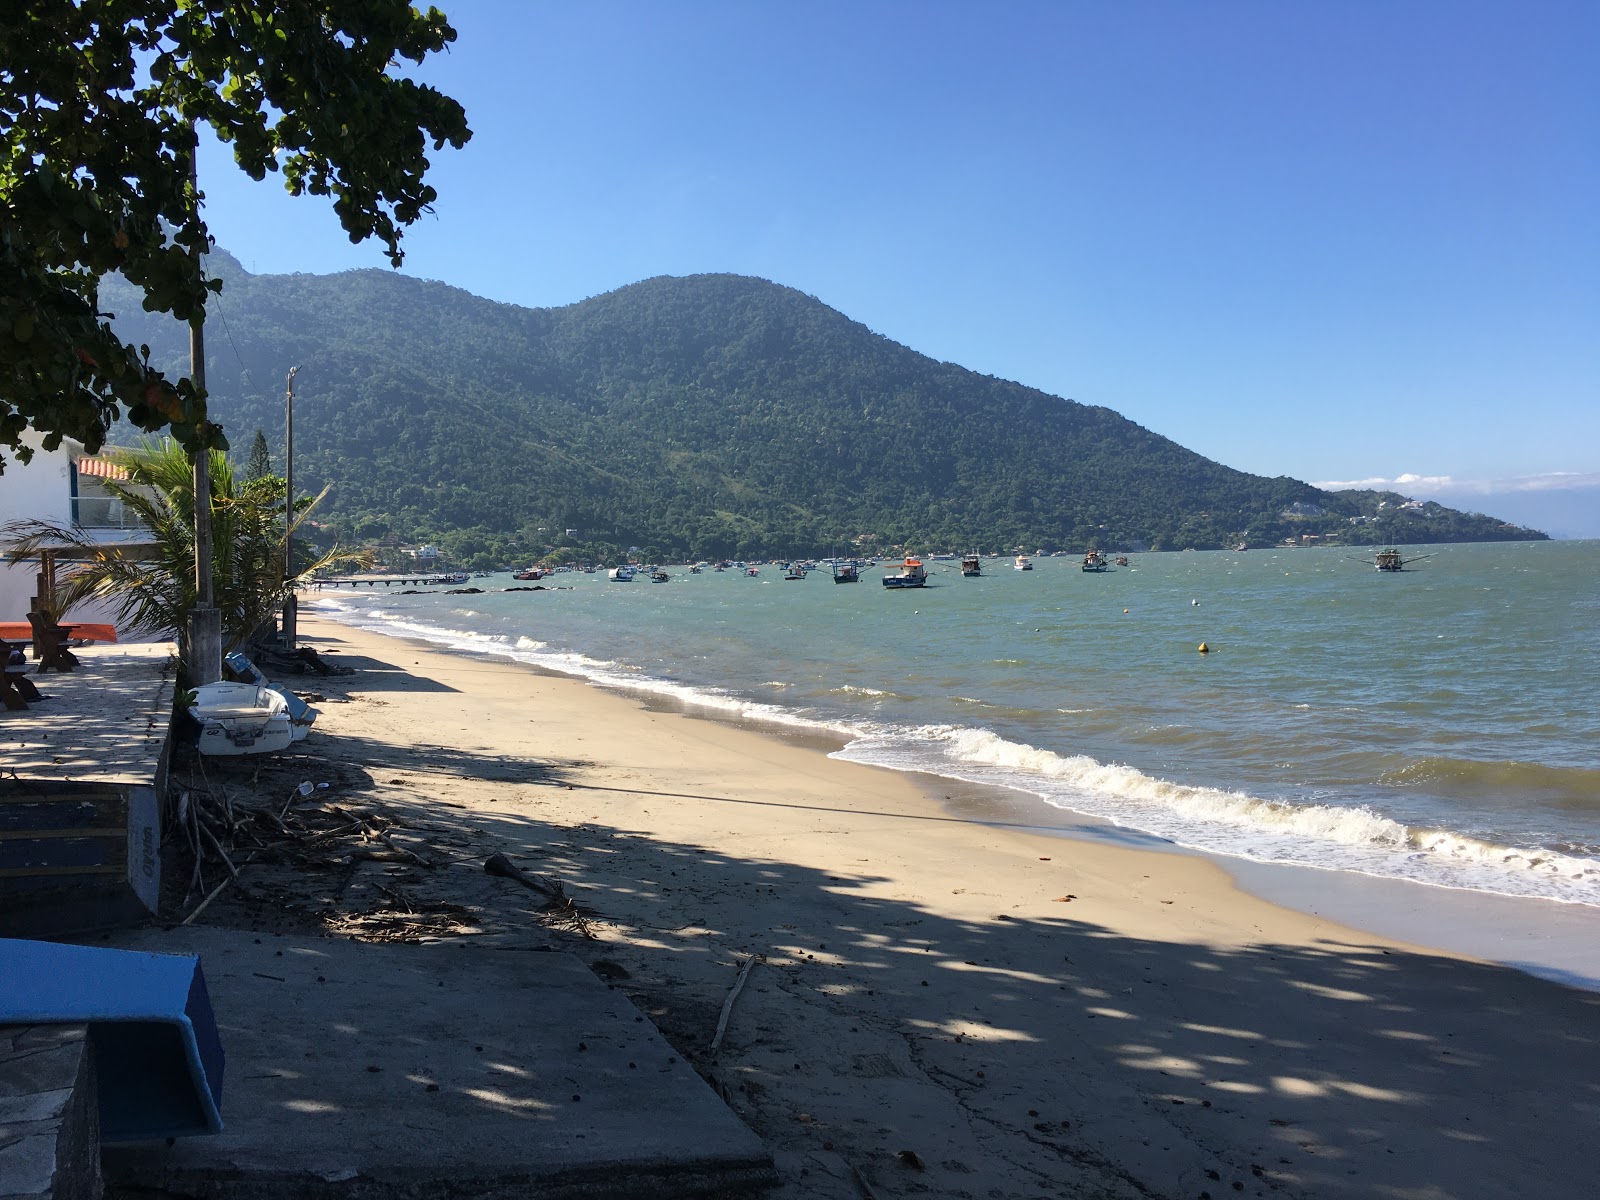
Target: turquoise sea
[(1438, 725)]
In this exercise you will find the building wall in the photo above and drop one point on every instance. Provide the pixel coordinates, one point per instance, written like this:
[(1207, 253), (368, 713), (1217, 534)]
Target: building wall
[(40, 490)]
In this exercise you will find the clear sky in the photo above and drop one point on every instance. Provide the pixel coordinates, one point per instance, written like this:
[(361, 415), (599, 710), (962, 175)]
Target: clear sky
[(1343, 240)]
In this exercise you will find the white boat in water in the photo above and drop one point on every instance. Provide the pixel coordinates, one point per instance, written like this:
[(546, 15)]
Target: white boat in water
[(241, 718), (622, 574), (1022, 563)]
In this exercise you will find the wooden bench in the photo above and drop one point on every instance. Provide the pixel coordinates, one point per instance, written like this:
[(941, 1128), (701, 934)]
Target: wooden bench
[(50, 644), (13, 693)]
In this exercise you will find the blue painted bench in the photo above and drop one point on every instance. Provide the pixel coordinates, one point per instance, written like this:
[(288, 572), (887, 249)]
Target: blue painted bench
[(158, 1055)]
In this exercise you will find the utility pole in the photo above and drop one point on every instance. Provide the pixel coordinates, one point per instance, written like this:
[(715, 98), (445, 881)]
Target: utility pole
[(291, 602), (204, 659)]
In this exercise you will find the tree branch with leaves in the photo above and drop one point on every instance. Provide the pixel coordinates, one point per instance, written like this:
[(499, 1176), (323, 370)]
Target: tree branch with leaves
[(100, 101)]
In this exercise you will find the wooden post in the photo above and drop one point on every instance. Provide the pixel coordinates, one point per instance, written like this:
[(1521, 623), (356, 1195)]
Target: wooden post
[(291, 601)]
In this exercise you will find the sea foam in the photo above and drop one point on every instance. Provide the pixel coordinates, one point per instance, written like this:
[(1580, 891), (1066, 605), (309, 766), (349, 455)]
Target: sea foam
[(1264, 829)]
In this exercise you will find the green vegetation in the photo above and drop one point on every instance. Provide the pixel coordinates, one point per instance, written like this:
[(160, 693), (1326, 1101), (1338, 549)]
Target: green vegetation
[(153, 591), (99, 104), (709, 416)]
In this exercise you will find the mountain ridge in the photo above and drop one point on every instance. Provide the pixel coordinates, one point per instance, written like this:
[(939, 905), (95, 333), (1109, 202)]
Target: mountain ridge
[(704, 415)]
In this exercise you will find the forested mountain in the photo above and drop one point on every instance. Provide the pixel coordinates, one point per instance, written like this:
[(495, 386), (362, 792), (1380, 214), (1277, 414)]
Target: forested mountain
[(702, 416)]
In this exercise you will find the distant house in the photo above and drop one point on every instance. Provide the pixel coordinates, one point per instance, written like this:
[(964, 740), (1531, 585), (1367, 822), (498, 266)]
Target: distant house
[(64, 486)]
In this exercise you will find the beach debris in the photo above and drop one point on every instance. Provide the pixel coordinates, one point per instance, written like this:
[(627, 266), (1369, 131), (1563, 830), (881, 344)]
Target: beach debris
[(229, 823), (558, 905), (727, 1005), (861, 1183), (296, 662), (909, 1157)]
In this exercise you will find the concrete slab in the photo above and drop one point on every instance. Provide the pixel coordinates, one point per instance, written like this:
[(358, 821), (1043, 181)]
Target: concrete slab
[(49, 1132), (83, 775), (105, 722), (441, 1070)]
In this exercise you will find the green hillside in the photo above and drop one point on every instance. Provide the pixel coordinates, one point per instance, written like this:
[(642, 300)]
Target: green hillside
[(703, 416)]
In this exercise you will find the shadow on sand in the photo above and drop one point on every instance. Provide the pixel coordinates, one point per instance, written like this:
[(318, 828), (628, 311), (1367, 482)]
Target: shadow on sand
[(1023, 1054)]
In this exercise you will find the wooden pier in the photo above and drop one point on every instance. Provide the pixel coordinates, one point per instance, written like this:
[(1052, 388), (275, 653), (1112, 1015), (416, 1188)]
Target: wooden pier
[(355, 581)]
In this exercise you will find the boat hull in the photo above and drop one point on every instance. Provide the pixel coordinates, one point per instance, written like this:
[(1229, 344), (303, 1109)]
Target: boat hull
[(241, 718)]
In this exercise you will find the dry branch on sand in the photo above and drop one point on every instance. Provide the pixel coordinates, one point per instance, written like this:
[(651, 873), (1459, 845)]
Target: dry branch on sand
[(558, 907)]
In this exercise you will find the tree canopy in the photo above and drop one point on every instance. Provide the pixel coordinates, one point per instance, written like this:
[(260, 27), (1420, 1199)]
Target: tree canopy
[(100, 101)]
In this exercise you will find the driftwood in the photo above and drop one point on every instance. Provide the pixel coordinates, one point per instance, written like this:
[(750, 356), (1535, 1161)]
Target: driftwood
[(373, 854), (306, 829), (215, 892), (557, 903), (502, 867), (727, 1005)]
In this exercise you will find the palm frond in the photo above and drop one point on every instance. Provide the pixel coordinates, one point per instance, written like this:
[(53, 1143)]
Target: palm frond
[(155, 592)]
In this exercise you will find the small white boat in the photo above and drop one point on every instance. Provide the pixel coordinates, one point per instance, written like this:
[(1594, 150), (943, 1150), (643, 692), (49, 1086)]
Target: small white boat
[(1022, 563), (241, 718), (622, 574)]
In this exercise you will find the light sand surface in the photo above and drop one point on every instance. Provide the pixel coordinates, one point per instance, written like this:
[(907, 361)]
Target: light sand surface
[(942, 1005)]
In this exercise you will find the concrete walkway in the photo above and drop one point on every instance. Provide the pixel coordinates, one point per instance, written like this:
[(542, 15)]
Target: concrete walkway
[(438, 1070)]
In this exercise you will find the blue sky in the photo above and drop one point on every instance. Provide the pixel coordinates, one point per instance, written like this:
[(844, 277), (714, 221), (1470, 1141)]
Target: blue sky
[(1346, 242)]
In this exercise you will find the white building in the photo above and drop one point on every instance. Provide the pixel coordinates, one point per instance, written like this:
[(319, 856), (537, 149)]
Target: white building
[(65, 487)]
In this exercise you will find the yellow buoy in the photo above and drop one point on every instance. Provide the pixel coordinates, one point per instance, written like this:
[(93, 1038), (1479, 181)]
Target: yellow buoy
[(1204, 649), (1124, 610)]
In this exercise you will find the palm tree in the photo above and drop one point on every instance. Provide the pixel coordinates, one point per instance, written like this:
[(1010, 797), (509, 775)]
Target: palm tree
[(152, 588)]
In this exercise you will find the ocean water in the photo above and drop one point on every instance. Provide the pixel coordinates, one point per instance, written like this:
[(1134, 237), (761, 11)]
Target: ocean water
[(1438, 725)]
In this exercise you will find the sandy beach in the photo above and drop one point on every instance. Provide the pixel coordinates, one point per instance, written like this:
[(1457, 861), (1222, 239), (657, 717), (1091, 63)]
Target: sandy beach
[(940, 1004)]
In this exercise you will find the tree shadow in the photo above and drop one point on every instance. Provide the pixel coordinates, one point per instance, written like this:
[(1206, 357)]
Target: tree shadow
[(1027, 1054)]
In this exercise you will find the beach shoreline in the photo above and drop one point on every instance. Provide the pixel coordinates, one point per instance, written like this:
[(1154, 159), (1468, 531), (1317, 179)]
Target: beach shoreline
[(1551, 939), (961, 1006)]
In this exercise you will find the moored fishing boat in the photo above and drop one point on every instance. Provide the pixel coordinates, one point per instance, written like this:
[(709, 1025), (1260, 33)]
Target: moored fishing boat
[(912, 574), (1390, 559), (971, 565), (846, 572), (1022, 563), (1094, 561), (621, 574)]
